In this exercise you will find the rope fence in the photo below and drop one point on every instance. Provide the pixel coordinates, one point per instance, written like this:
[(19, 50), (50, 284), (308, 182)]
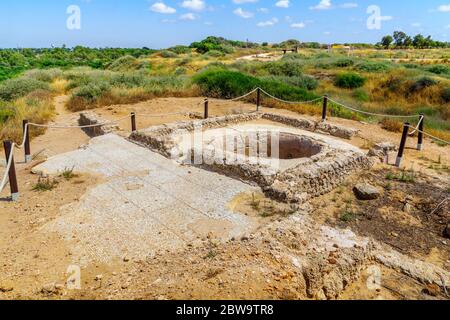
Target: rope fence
[(25, 144)]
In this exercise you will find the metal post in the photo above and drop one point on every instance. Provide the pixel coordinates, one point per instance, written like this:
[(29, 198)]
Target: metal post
[(401, 150), (324, 110), (27, 148), (133, 122), (206, 109), (420, 136), (258, 99), (12, 171)]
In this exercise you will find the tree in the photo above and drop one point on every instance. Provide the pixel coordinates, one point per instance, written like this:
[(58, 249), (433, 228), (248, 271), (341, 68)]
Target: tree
[(407, 43), (387, 41), (399, 38), (419, 41)]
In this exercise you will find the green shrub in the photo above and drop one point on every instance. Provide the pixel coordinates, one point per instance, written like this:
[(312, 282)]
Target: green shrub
[(284, 68), (161, 85), (214, 54), (287, 92), (48, 75), (361, 95), (127, 80), (180, 49), (92, 92), (422, 83), (168, 54), (128, 63), (372, 67), (349, 80), (221, 83), (227, 84), (302, 81), (344, 62), (439, 69), (16, 88)]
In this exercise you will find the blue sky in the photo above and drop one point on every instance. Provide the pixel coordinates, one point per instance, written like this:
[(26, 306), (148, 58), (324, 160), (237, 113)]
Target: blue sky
[(163, 23)]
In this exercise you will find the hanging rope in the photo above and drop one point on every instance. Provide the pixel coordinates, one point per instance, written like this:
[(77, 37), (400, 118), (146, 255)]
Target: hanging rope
[(245, 95), (289, 102), (431, 136), (370, 113), (5, 179), (418, 125)]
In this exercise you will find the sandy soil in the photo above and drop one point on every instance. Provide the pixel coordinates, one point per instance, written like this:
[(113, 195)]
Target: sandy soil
[(35, 265)]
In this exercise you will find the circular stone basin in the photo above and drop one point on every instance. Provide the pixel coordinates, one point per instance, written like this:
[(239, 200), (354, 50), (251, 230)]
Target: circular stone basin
[(291, 146)]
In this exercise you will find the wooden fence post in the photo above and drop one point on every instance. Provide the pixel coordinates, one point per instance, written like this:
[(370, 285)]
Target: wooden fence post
[(12, 171), (324, 109), (206, 109), (27, 148), (133, 122), (258, 99), (420, 135), (401, 150)]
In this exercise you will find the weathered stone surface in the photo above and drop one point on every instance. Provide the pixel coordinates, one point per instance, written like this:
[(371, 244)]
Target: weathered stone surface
[(381, 150), (364, 191), (90, 118), (336, 130)]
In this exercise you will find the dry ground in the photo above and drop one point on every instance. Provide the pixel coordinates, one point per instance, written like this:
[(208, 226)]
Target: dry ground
[(34, 265)]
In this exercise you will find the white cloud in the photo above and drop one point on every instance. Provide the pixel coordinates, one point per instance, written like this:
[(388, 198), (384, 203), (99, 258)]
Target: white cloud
[(283, 4), (243, 14), (263, 10), (161, 7), (323, 5), (349, 5), (244, 1), (298, 25), (196, 5), (188, 16), (444, 8), (268, 23), (416, 24)]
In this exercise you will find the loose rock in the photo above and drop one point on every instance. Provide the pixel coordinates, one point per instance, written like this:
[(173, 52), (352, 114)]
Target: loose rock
[(365, 191)]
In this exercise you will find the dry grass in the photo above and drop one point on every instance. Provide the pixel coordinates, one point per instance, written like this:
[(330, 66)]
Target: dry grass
[(127, 96), (36, 107)]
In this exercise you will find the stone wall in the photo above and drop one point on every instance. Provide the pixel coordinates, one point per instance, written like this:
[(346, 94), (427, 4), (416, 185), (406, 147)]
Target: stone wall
[(90, 118), (316, 178)]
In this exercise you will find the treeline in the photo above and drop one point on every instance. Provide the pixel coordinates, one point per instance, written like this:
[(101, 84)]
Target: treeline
[(15, 61), (400, 40)]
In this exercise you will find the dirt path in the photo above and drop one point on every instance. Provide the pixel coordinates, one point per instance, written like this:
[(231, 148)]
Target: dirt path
[(56, 141)]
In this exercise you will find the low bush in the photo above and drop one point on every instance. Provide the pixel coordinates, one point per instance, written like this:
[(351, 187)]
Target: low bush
[(422, 83), (48, 75), (344, 62), (16, 88), (92, 91), (214, 54), (361, 95), (440, 69), (128, 63), (180, 49), (168, 54), (227, 84), (302, 81), (349, 80), (284, 68), (372, 67)]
